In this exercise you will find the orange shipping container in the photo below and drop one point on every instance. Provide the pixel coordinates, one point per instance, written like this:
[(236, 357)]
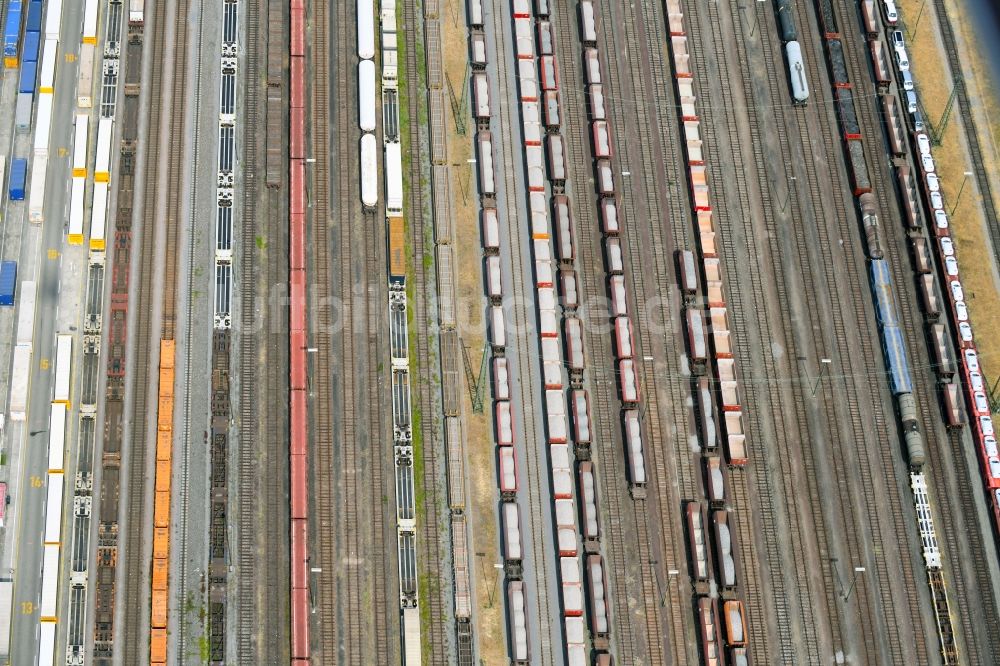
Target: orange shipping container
[(397, 247), (161, 572), (166, 353), (158, 611), (163, 476), (158, 646), (161, 542), (164, 442), (161, 510)]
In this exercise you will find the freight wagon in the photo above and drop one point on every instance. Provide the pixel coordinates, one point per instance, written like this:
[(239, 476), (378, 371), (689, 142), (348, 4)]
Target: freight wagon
[(797, 73), (18, 176), (8, 282)]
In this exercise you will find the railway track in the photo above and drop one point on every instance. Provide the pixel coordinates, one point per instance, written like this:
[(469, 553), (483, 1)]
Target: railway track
[(977, 161), (939, 443), (161, 208), (781, 600), (183, 455), (431, 453)]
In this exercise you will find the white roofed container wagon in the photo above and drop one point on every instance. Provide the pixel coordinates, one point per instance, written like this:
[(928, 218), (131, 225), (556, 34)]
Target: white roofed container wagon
[(518, 619), (26, 314), (80, 137), (57, 437), (588, 29), (53, 18), (50, 584), (102, 166), (572, 586), (43, 124), (75, 235), (393, 180), (633, 450), (565, 515), (53, 508), (366, 29), (64, 366), (512, 547), (590, 524), (507, 471), (504, 423), (99, 217), (487, 182), (481, 96), (49, 52), (369, 171), (366, 95), (90, 22), (19, 383), (36, 192)]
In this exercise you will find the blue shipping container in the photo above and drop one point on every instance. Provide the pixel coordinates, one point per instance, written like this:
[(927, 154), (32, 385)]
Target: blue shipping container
[(31, 42), (34, 23), (29, 71), (8, 282), (18, 176), (12, 31)]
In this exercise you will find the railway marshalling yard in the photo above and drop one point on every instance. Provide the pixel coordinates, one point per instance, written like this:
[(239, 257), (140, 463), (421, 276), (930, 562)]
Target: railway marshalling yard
[(496, 331)]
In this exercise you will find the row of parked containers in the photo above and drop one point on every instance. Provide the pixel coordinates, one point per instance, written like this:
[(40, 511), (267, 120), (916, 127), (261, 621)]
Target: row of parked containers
[(718, 400)]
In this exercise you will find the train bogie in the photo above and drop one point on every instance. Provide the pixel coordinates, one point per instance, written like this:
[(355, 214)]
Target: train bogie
[(507, 471), (588, 28), (527, 80), (698, 541), (797, 73), (581, 416), (590, 523), (943, 363), (518, 620), (634, 449), (708, 623), (562, 470), (568, 289), (546, 38), (605, 179), (555, 416), (504, 423), (481, 96), (491, 230), (609, 217), (954, 412), (715, 484), (724, 550), (524, 43), (557, 159), (574, 344), (494, 282), (601, 135), (592, 66), (550, 106), (706, 414), (549, 73), (487, 181), (735, 623), (477, 50), (497, 330), (565, 517)]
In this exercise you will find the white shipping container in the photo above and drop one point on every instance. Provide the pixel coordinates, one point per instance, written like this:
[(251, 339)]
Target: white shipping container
[(366, 94), (47, 644), (54, 509), (99, 217), (36, 191), (26, 314), (20, 379), (50, 583), (6, 601), (85, 87), (90, 22), (369, 170), (366, 29), (80, 145), (135, 11), (53, 16), (43, 123), (393, 179), (64, 360), (105, 133), (57, 436), (75, 235), (49, 59)]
